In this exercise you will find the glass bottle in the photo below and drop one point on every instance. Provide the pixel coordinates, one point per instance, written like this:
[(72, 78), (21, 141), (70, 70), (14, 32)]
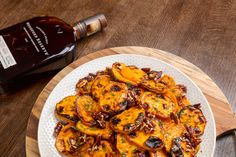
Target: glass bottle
[(41, 44)]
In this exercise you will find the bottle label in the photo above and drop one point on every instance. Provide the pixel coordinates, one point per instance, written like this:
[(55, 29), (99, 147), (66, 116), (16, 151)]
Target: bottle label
[(6, 58), (35, 38)]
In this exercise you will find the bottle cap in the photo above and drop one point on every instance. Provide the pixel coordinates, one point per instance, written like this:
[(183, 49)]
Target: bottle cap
[(90, 25)]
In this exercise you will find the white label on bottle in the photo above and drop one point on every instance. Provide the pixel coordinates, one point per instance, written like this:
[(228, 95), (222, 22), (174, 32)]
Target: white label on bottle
[(6, 57)]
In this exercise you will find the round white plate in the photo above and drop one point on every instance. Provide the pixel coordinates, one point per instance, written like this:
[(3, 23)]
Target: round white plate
[(66, 86)]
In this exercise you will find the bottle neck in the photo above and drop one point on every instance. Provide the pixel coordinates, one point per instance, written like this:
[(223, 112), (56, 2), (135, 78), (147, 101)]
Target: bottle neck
[(90, 25), (80, 30)]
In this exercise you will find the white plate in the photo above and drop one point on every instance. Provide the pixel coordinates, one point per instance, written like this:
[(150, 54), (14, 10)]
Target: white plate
[(66, 86)]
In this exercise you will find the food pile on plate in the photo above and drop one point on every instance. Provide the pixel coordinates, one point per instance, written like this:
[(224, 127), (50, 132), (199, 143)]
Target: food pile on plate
[(128, 112)]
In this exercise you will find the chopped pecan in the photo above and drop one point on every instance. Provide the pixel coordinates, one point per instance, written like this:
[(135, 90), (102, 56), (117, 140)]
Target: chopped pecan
[(176, 149), (82, 83), (182, 87), (146, 70), (138, 153), (58, 128), (73, 143), (82, 139), (174, 117), (130, 127), (195, 141), (148, 126), (202, 119), (100, 118), (197, 106), (155, 75)]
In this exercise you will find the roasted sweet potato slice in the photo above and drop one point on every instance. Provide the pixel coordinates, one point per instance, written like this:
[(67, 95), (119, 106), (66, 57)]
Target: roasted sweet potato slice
[(157, 106), (171, 131), (153, 86), (86, 106), (98, 85), (193, 118), (182, 147), (94, 131), (127, 149), (146, 139), (84, 85), (158, 153), (128, 121), (114, 98), (66, 109), (69, 139), (128, 74)]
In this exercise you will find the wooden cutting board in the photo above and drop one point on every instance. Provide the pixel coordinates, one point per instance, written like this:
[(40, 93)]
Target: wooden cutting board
[(224, 117)]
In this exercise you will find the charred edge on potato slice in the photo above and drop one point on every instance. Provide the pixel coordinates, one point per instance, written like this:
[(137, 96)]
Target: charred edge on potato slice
[(154, 142)]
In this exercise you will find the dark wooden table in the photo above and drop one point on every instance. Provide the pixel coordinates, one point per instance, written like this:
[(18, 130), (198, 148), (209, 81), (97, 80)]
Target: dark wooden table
[(203, 32)]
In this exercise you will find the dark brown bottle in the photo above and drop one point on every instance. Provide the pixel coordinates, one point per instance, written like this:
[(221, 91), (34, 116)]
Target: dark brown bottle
[(41, 44)]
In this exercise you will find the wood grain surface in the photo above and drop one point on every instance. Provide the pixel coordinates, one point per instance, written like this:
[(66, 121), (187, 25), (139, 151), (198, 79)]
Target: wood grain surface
[(224, 117), (202, 32)]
